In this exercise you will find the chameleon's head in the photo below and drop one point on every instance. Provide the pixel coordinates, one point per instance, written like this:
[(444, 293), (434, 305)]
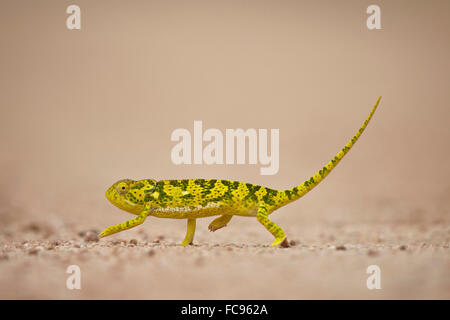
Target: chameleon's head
[(130, 195)]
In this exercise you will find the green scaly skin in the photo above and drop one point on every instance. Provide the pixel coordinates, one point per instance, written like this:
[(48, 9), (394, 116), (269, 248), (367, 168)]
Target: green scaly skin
[(198, 198)]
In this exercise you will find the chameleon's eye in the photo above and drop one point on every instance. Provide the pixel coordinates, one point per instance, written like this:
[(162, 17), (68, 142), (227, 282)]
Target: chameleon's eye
[(122, 188)]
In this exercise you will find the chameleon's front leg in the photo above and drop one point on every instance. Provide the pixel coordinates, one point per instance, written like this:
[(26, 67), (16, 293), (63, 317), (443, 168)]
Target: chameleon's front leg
[(275, 230), (190, 232), (124, 225)]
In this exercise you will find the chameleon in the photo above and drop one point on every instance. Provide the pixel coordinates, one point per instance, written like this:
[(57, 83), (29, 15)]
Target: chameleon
[(191, 199)]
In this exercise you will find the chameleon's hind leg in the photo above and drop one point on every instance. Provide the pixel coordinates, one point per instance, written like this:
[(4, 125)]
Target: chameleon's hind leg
[(219, 222), (124, 225), (276, 231), (190, 232)]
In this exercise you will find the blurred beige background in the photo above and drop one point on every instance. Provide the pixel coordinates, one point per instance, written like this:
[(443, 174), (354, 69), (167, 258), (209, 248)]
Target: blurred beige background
[(82, 109)]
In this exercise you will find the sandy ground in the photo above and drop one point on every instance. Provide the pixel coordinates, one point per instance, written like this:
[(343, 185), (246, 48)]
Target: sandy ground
[(327, 259), (81, 109)]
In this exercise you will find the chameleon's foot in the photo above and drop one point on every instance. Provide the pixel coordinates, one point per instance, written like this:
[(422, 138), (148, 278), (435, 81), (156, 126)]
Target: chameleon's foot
[(107, 232), (124, 225), (186, 243), (189, 233), (282, 243), (285, 243), (219, 222), (276, 231)]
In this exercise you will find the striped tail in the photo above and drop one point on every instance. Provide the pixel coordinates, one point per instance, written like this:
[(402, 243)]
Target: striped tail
[(302, 189)]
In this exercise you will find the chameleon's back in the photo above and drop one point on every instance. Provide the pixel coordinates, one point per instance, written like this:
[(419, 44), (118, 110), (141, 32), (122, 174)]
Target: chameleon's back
[(208, 197)]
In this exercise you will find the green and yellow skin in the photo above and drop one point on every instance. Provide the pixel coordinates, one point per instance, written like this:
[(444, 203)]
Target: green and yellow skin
[(199, 198)]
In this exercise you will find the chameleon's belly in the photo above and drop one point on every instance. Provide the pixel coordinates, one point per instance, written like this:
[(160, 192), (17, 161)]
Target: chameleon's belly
[(211, 209)]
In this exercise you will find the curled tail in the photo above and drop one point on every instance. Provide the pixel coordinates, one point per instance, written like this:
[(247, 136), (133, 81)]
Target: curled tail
[(302, 189)]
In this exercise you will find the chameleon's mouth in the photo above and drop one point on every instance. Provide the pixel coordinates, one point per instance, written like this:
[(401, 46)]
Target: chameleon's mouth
[(113, 197), (109, 194)]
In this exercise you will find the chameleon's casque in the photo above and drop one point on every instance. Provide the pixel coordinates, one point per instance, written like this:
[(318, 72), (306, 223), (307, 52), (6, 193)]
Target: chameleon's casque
[(198, 198)]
